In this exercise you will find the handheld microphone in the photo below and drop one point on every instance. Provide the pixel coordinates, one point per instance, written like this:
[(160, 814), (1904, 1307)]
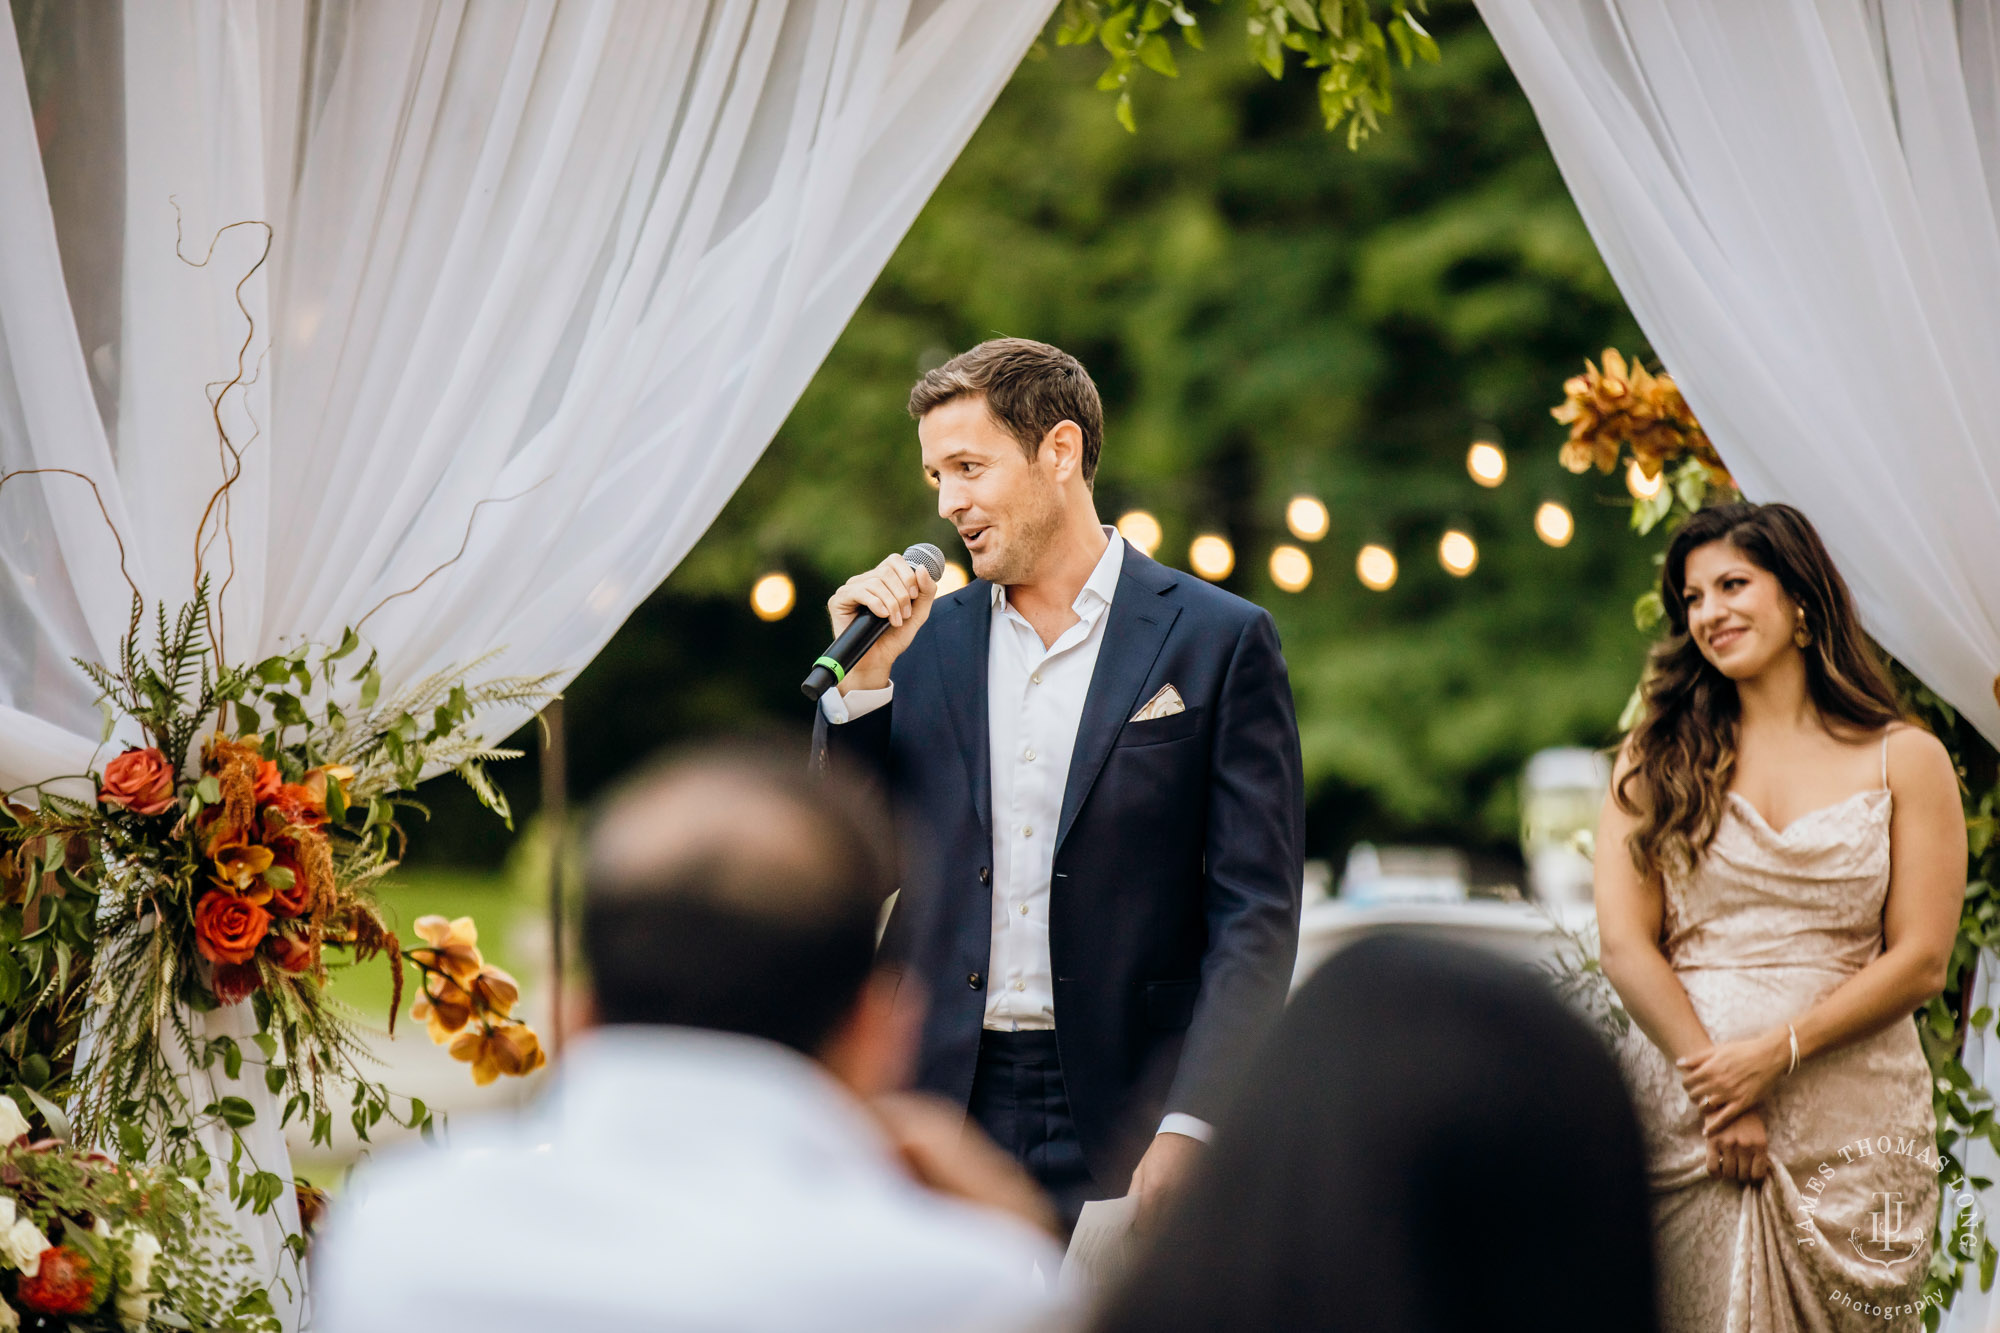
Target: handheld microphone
[(861, 632)]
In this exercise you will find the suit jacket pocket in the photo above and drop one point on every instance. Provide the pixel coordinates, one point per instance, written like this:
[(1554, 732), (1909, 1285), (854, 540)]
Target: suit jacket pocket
[(1170, 1004), (1157, 730)]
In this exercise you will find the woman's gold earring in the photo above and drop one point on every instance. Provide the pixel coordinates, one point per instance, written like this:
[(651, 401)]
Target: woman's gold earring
[(1801, 635)]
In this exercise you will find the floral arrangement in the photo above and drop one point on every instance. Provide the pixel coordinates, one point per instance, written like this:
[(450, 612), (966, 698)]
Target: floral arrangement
[(229, 857), (228, 869), (1623, 406), (92, 1246)]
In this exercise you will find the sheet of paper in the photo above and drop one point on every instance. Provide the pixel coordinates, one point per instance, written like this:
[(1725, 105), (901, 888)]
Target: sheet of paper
[(1101, 1247)]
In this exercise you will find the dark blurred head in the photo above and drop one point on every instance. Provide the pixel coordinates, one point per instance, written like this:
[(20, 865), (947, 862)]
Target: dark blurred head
[(1430, 1143), (728, 891)]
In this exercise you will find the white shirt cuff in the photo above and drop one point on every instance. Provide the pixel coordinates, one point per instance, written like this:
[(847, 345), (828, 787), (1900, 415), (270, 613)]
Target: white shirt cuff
[(1179, 1122), (841, 708)]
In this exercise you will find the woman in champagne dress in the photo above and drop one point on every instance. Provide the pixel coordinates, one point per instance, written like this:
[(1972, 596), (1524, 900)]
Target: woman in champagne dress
[(1779, 871)]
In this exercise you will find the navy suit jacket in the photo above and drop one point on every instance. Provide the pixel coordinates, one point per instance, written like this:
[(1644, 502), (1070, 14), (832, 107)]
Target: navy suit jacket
[(1174, 900)]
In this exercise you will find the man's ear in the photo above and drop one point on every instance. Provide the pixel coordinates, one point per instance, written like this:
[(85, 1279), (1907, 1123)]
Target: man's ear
[(874, 1049), (1063, 447)]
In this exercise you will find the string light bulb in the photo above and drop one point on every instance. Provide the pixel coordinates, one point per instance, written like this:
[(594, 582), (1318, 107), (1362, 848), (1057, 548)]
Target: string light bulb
[(1376, 567), (1642, 486), (1141, 529), (1291, 568), (1212, 557), (1487, 463), (1307, 518), (1458, 553), (773, 596), (1554, 524)]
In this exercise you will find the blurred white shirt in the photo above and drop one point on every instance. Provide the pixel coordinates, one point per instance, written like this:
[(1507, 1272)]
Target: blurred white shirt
[(671, 1179)]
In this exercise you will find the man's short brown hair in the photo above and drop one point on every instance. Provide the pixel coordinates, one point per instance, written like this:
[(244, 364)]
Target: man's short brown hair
[(1029, 388)]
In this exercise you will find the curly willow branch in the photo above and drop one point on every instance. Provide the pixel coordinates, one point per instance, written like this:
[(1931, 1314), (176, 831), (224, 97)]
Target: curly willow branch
[(216, 391), (463, 545), (123, 573)]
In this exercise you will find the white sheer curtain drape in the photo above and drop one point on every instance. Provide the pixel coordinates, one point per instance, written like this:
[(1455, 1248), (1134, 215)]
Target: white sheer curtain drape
[(1800, 200), (547, 275)]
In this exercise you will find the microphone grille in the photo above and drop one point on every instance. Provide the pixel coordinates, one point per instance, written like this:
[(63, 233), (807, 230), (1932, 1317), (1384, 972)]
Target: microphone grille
[(928, 557)]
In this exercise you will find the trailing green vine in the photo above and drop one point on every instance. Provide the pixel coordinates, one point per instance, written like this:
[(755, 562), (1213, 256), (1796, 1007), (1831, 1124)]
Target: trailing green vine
[(1342, 39)]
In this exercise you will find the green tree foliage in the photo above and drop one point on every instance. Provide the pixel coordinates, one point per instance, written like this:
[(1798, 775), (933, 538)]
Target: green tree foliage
[(1267, 313)]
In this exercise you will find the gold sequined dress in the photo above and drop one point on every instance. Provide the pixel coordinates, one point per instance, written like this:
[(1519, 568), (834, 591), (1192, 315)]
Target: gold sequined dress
[(1838, 1236)]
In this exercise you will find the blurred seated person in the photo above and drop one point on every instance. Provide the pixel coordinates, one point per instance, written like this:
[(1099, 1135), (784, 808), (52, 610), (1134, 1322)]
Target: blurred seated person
[(722, 1151), (1431, 1142)]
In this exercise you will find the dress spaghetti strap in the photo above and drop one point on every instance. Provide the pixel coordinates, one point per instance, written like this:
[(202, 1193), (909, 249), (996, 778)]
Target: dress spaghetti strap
[(1885, 757)]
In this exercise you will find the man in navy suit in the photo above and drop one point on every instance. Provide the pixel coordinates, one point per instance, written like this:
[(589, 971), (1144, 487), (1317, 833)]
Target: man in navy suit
[(1096, 769)]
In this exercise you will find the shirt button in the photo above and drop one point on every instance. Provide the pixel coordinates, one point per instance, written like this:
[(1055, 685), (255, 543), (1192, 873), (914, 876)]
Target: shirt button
[(1027, 830), (1028, 755), (1024, 909), (1036, 678), (1020, 985)]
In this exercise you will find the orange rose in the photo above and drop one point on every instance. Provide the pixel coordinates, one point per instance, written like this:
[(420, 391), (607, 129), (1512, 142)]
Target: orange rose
[(296, 804), (66, 1282), (291, 900), (268, 781), (227, 929), (140, 781), (291, 955)]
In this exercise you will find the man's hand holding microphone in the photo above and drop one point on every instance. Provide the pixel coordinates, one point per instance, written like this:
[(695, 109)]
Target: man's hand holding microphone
[(875, 615)]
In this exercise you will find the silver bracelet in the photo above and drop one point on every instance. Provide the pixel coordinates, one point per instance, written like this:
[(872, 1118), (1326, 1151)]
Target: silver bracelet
[(1794, 1034)]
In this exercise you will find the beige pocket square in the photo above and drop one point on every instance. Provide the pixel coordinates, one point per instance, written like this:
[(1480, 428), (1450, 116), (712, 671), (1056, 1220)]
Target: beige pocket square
[(1164, 704)]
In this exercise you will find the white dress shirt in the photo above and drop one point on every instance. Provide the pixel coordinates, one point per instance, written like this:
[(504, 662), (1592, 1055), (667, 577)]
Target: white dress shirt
[(671, 1180), (1034, 703)]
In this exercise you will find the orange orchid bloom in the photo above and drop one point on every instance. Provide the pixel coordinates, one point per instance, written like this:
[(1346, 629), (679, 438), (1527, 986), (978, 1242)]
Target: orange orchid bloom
[(452, 947), (314, 783), (504, 1048), (445, 1007), (240, 867), (495, 992)]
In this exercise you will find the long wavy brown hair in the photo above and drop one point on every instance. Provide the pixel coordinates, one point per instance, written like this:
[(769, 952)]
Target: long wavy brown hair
[(1682, 753)]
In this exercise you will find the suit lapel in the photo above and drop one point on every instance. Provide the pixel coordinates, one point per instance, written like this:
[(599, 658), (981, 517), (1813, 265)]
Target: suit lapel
[(1139, 618), (962, 625)]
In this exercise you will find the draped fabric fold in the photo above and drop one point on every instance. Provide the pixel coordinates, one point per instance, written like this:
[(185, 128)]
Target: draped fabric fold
[(1800, 201), (544, 278)]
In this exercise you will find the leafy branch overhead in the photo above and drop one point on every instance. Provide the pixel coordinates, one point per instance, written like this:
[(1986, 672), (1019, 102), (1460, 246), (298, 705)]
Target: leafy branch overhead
[(1343, 39)]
